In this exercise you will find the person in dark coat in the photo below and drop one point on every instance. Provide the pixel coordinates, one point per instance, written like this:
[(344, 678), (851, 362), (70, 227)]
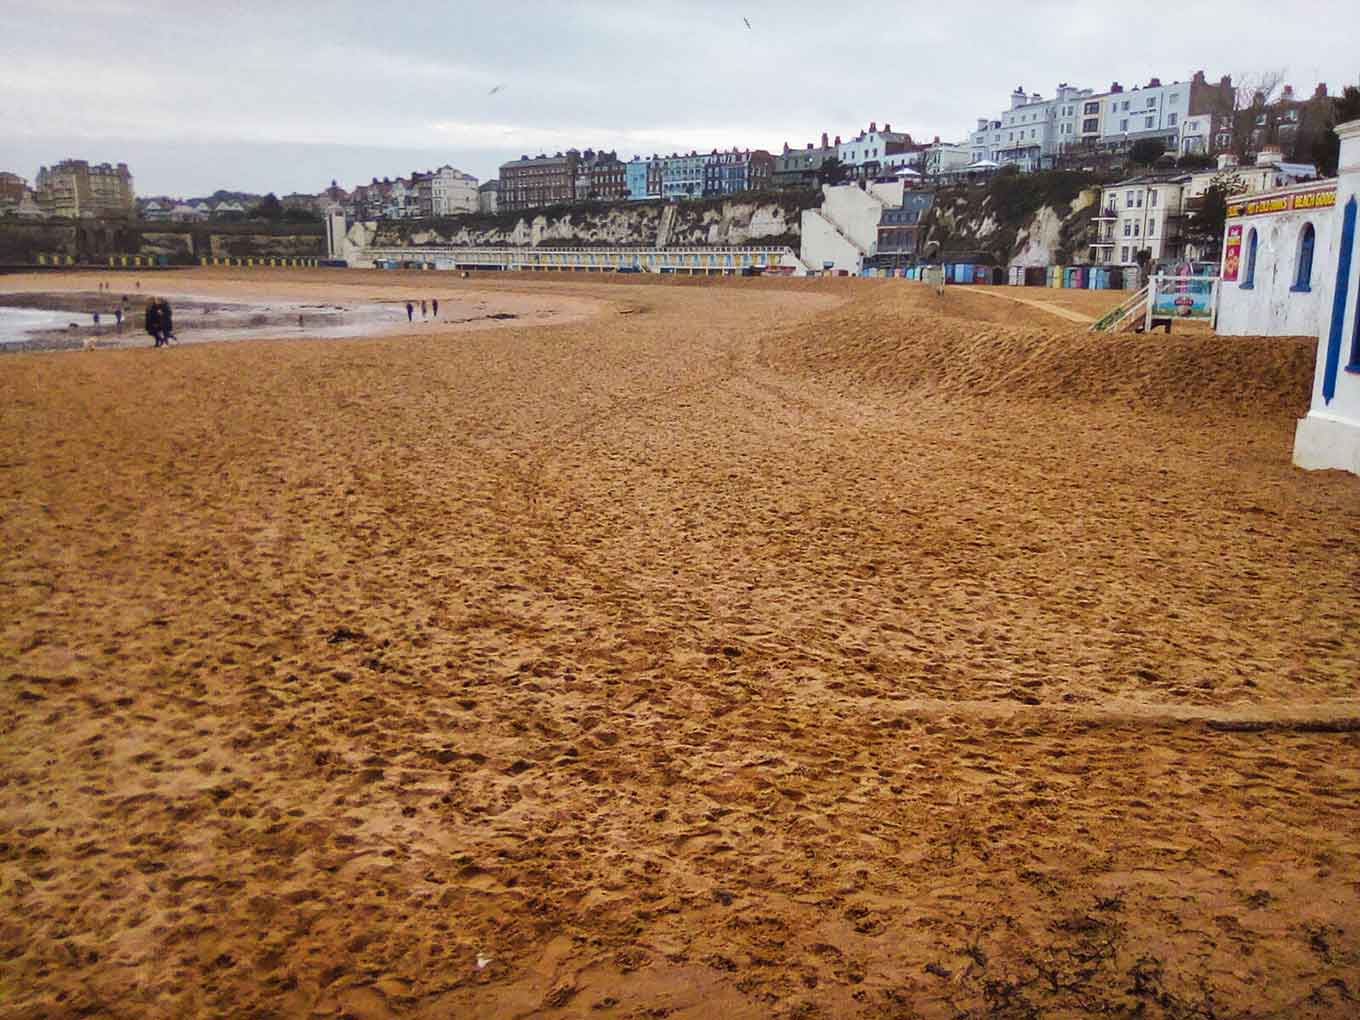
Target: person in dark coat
[(410, 311), (434, 303), (153, 322), (167, 322)]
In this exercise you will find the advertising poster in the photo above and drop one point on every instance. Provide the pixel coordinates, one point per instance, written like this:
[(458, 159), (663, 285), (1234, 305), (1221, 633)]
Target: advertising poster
[(1232, 252), (1183, 297)]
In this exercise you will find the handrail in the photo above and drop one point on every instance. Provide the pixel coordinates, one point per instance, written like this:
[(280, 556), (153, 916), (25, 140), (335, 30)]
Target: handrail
[(1112, 320)]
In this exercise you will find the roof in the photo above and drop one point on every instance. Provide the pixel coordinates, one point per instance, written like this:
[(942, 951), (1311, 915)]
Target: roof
[(1172, 178)]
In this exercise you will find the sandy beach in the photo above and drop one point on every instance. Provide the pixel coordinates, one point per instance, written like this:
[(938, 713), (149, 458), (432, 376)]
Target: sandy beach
[(686, 649)]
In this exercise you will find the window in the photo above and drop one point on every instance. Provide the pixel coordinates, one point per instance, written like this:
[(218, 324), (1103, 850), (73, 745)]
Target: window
[(1092, 108), (1171, 119), (1125, 106), (1091, 126), (1128, 200), (1152, 228), (1249, 274), (1124, 253), (1140, 200), (1124, 124), (1152, 102), (1152, 199), (1148, 121), (1128, 228), (1303, 272), (1136, 230)]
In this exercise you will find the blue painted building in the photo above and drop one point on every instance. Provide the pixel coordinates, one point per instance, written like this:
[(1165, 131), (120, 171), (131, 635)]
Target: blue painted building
[(635, 176)]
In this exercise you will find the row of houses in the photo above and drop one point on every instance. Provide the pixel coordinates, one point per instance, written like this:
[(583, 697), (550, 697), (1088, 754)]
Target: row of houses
[(576, 176), (1195, 117)]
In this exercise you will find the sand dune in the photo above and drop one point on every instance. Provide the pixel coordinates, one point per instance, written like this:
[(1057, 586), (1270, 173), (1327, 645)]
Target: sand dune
[(757, 648)]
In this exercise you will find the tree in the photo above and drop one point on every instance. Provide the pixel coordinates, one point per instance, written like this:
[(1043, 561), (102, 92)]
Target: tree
[(833, 171), (1245, 116), (1205, 228), (269, 208), (1327, 147), (1147, 151)]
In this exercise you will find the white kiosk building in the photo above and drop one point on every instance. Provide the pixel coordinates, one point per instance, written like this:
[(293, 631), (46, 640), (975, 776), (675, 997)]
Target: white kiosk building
[(1329, 437)]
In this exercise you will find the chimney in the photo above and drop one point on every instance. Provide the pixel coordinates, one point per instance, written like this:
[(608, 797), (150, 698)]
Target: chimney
[(887, 129), (1018, 97), (810, 145), (872, 127), (1198, 79), (1154, 83), (1116, 88), (824, 142), (937, 139), (1287, 94), (838, 140), (786, 148), (1321, 91)]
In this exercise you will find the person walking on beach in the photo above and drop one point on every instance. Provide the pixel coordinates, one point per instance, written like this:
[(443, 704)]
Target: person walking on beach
[(153, 321), (422, 308), (410, 312), (118, 318), (434, 303), (167, 322), (96, 320)]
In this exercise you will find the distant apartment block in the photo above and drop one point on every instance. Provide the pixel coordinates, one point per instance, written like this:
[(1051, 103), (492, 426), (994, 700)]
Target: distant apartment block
[(74, 189), (452, 192), (542, 180)]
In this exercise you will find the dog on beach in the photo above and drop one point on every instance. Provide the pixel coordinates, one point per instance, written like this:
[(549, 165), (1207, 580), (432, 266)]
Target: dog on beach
[(90, 343)]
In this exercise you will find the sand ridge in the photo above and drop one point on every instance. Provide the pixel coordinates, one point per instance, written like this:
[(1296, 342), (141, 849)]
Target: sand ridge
[(798, 649)]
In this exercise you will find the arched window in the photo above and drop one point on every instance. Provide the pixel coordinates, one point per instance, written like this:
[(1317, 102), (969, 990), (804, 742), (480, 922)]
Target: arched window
[(1249, 275), (1303, 273)]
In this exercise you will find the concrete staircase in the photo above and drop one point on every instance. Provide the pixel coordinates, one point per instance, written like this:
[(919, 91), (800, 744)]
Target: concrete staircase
[(667, 225)]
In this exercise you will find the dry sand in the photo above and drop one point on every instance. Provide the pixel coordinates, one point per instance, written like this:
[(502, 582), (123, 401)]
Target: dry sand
[(754, 648)]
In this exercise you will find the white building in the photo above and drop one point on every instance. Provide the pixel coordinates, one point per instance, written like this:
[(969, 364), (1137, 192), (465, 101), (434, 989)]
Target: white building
[(1274, 243), (945, 157), (1153, 111), (1269, 171), (452, 192), (1033, 131), (1144, 212), (1329, 437), (869, 151)]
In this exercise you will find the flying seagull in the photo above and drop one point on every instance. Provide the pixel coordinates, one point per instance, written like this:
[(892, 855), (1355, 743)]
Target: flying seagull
[(748, 23), (495, 90)]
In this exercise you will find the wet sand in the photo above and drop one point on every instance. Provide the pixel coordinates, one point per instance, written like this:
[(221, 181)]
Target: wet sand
[(264, 305), (751, 648)]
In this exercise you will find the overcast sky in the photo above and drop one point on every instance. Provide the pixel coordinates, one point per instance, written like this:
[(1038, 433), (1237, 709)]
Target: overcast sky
[(284, 96)]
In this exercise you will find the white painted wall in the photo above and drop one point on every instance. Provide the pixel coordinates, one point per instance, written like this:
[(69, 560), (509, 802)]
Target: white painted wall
[(1269, 307), (823, 243), (888, 193), (1329, 437), (855, 212)]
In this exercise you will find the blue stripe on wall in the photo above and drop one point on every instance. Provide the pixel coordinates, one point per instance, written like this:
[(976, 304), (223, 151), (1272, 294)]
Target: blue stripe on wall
[(1339, 296)]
